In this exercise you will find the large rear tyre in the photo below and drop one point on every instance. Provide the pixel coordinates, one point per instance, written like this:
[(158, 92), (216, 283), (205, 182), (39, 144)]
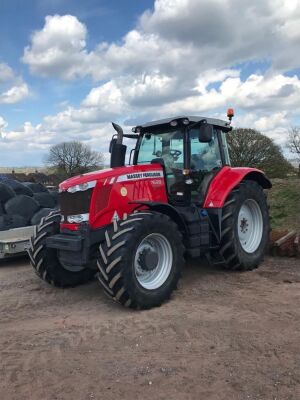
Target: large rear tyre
[(141, 259), (245, 228), (45, 260)]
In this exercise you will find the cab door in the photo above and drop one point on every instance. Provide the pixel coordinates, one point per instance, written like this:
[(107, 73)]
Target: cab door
[(206, 160)]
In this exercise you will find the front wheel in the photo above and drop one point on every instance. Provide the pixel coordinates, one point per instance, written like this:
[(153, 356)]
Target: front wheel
[(141, 259), (45, 260), (244, 227)]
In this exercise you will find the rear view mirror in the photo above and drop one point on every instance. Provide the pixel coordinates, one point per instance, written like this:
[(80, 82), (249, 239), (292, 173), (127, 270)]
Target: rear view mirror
[(205, 133), (118, 153), (112, 143)]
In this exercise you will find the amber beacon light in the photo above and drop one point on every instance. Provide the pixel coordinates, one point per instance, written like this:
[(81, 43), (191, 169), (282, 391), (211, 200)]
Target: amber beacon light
[(230, 113)]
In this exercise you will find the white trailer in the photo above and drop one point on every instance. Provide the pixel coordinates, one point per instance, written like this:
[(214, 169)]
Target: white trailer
[(15, 242)]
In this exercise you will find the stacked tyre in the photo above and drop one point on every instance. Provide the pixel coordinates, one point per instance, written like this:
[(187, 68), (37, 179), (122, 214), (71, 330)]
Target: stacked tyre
[(23, 204)]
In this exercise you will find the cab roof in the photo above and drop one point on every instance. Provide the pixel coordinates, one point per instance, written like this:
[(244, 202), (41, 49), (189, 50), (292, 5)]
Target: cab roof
[(224, 125)]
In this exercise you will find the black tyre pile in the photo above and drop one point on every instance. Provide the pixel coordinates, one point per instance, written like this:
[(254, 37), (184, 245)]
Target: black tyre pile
[(24, 204)]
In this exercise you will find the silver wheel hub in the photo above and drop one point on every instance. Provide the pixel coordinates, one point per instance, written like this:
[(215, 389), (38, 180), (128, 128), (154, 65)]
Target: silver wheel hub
[(250, 226), (153, 261)]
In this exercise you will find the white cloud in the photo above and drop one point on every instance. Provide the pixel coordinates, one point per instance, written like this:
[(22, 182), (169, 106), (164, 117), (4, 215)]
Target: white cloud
[(214, 76), (178, 38), (104, 102), (274, 125), (58, 49), (14, 94), (226, 32), (184, 56), (36, 139), (262, 92), (12, 87), (113, 100), (3, 125), (6, 73), (87, 123), (179, 58)]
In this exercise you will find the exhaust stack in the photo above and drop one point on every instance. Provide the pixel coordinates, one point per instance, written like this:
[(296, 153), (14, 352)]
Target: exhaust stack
[(117, 148), (119, 131)]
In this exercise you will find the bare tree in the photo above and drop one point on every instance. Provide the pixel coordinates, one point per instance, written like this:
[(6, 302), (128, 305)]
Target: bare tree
[(72, 158), (250, 148), (294, 143)]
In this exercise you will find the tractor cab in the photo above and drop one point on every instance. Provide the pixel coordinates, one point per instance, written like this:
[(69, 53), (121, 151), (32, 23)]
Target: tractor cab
[(191, 151)]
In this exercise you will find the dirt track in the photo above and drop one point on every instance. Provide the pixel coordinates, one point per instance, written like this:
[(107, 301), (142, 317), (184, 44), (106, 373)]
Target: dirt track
[(222, 336)]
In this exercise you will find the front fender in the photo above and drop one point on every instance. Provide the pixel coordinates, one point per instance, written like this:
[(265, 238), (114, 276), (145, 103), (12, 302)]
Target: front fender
[(228, 178)]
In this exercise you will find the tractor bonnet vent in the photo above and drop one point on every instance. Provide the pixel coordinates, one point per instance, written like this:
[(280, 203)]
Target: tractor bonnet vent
[(75, 203)]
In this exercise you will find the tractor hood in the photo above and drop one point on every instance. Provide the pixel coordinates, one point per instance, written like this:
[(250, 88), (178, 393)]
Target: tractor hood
[(85, 178), (132, 171)]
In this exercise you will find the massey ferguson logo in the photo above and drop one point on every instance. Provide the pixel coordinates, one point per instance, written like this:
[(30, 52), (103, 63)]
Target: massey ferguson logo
[(140, 175), (144, 175)]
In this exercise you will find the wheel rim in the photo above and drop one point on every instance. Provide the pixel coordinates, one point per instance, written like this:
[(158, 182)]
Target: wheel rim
[(153, 261), (250, 226)]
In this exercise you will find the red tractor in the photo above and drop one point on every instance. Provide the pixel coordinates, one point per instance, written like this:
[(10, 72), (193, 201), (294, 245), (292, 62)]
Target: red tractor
[(133, 225)]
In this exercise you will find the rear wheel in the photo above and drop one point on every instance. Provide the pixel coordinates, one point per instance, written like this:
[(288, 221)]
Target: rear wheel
[(245, 228), (141, 259), (45, 260)]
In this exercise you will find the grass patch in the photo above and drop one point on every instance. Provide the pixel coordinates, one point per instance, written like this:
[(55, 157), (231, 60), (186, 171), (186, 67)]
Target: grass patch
[(284, 199)]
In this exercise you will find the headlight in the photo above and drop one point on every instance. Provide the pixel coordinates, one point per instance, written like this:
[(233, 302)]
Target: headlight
[(82, 187), (77, 219)]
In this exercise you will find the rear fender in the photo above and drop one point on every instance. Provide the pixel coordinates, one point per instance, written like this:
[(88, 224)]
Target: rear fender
[(227, 179)]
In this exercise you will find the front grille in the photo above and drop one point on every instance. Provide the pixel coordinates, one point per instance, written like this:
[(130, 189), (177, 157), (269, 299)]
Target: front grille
[(75, 203)]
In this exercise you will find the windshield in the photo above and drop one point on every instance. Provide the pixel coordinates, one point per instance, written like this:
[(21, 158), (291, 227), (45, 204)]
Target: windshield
[(167, 149), (166, 146)]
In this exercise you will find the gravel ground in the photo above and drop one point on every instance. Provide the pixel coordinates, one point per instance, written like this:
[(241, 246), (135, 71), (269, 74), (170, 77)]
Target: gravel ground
[(222, 336)]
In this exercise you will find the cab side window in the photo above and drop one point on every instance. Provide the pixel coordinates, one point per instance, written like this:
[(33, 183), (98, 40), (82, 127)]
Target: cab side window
[(205, 156)]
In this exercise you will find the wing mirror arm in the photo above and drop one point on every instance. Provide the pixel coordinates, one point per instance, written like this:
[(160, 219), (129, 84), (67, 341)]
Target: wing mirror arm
[(195, 124), (205, 130)]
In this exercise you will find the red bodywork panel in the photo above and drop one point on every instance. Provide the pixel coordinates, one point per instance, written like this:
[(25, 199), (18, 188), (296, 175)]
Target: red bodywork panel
[(116, 188), (224, 182)]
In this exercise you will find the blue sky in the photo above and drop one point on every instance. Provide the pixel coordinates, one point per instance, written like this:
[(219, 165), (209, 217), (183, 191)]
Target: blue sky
[(106, 20), (67, 68)]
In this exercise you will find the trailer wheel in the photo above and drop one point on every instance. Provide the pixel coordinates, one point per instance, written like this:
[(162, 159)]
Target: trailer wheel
[(45, 260), (245, 228), (141, 259)]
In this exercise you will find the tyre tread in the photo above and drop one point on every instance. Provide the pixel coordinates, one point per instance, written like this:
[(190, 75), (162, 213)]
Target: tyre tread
[(227, 255), (37, 252), (110, 257)]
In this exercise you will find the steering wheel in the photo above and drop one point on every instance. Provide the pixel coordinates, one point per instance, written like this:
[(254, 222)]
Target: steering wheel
[(175, 154)]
